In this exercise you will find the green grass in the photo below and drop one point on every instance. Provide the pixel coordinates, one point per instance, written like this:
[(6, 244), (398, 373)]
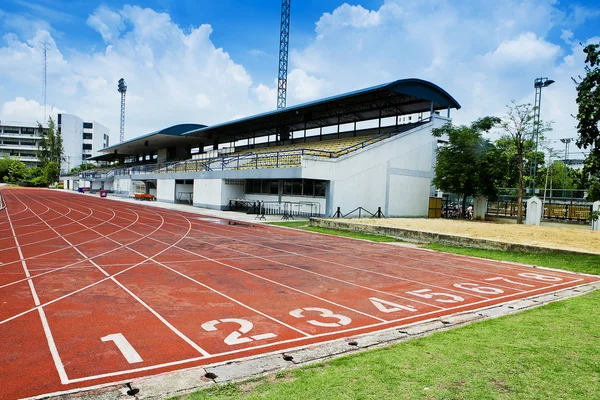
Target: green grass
[(588, 264), (548, 352), (338, 232), (552, 352)]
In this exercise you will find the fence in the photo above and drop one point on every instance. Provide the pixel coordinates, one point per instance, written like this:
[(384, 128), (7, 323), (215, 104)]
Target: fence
[(572, 212)]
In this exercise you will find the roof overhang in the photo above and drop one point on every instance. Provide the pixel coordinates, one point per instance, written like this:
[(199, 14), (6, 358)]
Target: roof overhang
[(152, 142), (401, 97)]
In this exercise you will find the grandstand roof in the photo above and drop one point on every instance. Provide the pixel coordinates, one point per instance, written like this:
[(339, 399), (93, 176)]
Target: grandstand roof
[(401, 97), (168, 137)]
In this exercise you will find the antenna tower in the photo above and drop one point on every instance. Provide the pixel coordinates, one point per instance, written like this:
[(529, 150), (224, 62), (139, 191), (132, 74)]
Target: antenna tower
[(44, 78), (122, 88), (284, 40)]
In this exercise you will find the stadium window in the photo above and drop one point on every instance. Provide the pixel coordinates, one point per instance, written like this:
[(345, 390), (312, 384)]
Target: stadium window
[(320, 188), (309, 187), (88, 125), (297, 187), (87, 146), (273, 187), (87, 135), (287, 187)]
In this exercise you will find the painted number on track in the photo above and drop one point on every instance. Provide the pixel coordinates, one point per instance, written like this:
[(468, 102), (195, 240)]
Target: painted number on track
[(499, 278), (446, 297), (478, 289), (124, 346), (540, 277), (389, 307), (236, 336), (325, 313)]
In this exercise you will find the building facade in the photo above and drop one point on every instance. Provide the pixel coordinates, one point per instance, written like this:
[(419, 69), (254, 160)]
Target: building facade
[(20, 140), (81, 139)]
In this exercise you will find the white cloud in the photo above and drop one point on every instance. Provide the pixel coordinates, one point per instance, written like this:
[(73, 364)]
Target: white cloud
[(107, 22), (23, 110), (483, 53), (525, 50), (173, 75)]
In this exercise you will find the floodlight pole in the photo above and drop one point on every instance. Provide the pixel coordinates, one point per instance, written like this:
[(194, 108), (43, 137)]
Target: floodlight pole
[(538, 84), (122, 88)]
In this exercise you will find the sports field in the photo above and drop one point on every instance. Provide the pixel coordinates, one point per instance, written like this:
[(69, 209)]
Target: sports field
[(95, 291)]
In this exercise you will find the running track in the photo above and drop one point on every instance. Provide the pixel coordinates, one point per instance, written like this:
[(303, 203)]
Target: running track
[(95, 291)]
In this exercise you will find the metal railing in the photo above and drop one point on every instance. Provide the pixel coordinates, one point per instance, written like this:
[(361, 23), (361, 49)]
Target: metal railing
[(358, 212), (556, 211)]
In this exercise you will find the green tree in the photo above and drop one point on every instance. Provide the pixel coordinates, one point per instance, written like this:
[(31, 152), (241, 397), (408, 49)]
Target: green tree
[(588, 117), (13, 170), (469, 164), (50, 152), (518, 126), (588, 102)]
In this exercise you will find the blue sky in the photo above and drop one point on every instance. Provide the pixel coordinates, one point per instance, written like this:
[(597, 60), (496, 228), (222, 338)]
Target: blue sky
[(208, 61)]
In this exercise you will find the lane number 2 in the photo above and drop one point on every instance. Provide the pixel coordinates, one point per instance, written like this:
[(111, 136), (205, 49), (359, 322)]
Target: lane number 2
[(236, 337), (325, 313), (124, 347)]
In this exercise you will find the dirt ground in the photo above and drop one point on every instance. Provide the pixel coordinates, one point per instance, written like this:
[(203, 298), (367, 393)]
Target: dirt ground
[(555, 237)]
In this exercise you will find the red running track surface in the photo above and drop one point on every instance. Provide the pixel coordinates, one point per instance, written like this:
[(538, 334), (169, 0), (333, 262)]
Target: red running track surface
[(95, 291)]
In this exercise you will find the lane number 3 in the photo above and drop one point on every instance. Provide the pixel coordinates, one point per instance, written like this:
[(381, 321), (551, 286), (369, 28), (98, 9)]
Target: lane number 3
[(324, 313)]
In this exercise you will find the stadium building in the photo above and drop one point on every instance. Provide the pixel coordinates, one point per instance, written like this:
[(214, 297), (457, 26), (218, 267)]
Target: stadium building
[(372, 148)]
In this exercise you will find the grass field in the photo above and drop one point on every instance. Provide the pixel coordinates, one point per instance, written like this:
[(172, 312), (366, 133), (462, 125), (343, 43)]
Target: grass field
[(548, 352)]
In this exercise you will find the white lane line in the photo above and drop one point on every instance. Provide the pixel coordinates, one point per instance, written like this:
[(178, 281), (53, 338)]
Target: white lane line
[(206, 286), (144, 304), (49, 338), (524, 269), (272, 344)]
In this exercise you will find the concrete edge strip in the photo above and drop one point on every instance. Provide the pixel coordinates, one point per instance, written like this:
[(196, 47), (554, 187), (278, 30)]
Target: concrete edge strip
[(197, 378), (427, 236)]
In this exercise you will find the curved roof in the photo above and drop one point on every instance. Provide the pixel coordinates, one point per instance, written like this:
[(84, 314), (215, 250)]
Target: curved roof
[(401, 97), (163, 138)]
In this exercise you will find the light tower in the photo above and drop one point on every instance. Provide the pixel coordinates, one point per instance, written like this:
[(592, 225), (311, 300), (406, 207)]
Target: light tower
[(284, 41), (122, 88), (566, 141), (538, 84)]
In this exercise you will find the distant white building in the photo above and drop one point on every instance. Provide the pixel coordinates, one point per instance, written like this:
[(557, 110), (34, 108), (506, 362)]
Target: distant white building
[(20, 140), (81, 139)]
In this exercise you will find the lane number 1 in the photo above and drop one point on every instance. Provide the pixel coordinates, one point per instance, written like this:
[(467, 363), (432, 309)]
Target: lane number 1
[(124, 346)]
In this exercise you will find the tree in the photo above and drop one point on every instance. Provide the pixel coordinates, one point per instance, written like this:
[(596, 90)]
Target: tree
[(12, 170), (518, 124), (50, 152), (469, 164), (588, 115)]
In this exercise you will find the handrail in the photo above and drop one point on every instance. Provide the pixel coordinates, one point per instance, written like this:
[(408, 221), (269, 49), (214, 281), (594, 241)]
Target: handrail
[(377, 214), (276, 158)]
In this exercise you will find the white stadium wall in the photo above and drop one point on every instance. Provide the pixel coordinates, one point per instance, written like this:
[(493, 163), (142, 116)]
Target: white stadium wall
[(165, 190), (394, 174), (216, 193)]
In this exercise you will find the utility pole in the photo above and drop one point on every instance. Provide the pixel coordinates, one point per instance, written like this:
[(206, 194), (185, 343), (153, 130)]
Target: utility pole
[(284, 41), (566, 141), (538, 84), (122, 88), (45, 49)]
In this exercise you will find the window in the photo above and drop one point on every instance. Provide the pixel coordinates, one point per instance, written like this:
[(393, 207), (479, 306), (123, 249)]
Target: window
[(87, 146), (87, 135), (88, 125), (27, 143), (11, 130), (291, 187), (10, 142)]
